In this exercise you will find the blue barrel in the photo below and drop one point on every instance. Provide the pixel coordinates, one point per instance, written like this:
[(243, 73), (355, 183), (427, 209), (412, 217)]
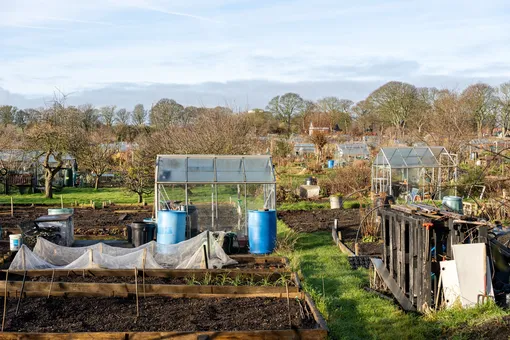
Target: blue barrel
[(262, 231), (331, 164), (171, 226), (60, 211), (454, 203)]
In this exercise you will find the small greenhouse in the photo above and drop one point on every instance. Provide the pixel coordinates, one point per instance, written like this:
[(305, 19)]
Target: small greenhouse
[(352, 151), (216, 191), (412, 172)]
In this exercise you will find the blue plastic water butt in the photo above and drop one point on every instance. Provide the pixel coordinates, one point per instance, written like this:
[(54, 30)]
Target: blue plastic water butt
[(171, 226), (262, 231), (454, 203), (331, 163)]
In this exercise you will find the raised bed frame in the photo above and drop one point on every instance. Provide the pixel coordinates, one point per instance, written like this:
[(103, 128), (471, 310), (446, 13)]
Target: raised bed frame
[(316, 333)]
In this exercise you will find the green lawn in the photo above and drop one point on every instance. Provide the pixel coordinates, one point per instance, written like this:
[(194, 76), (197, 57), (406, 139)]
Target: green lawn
[(353, 313), (79, 195)]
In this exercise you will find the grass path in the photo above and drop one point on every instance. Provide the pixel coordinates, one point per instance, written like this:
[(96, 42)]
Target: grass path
[(353, 313)]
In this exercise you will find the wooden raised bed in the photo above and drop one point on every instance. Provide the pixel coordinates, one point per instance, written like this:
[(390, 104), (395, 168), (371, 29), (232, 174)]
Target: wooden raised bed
[(315, 328)]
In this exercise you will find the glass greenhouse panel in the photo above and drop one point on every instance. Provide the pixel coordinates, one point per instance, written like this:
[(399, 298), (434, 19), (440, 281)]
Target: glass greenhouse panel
[(201, 170), (229, 170), (172, 170)]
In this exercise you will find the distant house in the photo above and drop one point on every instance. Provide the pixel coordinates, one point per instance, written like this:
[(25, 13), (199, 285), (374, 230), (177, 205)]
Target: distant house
[(318, 129)]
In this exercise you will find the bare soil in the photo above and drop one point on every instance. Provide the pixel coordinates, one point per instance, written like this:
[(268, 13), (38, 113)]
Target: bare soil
[(367, 248), (309, 221), (87, 221), (157, 314)]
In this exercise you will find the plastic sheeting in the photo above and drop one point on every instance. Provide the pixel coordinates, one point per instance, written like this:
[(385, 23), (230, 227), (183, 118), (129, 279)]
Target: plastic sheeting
[(188, 254)]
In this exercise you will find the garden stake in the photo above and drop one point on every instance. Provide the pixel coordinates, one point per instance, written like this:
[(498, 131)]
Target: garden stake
[(288, 303), (323, 289), (205, 257), (143, 270), (51, 283), (12, 208), (61, 202), (21, 292), (438, 290), (136, 289), (5, 299)]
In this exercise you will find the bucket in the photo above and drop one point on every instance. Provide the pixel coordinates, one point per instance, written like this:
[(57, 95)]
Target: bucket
[(453, 203), (171, 226), (335, 202), (331, 164), (262, 231), (15, 241), (61, 211)]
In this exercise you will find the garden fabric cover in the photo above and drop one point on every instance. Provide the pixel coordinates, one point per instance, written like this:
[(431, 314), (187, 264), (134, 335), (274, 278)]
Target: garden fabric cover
[(188, 254)]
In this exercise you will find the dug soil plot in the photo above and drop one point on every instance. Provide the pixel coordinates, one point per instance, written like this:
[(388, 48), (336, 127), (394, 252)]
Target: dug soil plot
[(157, 314), (308, 221)]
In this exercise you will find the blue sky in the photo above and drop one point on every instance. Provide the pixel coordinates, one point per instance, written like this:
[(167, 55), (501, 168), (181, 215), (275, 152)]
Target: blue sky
[(242, 53)]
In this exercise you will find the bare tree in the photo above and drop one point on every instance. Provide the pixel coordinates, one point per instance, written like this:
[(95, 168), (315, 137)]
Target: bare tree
[(396, 103), (139, 115), (338, 111), (504, 108), (286, 107), (7, 114), (97, 154), (320, 140), (480, 102), (88, 117), (122, 117), (54, 138), (165, 113), (108, 115)]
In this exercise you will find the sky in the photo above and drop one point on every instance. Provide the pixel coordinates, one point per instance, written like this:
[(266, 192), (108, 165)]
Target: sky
[(241, 53)]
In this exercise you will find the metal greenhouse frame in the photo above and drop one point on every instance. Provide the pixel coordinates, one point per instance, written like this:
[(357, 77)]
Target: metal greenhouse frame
[(231, 184), (416, 171)]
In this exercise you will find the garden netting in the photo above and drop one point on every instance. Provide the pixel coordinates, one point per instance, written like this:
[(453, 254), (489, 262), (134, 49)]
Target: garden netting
[(189, 254)]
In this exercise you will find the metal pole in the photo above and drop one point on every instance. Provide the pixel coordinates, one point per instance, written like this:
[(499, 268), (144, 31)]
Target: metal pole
[(245, 210)]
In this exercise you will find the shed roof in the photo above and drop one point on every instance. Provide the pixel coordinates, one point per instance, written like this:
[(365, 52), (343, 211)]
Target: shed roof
[(204, 169)]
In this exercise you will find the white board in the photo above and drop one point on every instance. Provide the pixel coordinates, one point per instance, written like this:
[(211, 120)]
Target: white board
[(471, 263), (450, 282)]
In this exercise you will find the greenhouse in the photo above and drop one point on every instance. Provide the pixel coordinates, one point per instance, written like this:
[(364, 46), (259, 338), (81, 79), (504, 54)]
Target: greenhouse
[(352, 151), (415, 172), (217, 192)]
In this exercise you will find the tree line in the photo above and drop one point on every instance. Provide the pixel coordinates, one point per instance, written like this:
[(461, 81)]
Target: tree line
[(396, 110)]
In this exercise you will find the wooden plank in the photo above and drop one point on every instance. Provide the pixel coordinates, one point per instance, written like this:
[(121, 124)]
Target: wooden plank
[(392, 285), (307, 334), (426, 289), (419, 264), (392, 241), (121, 289), (385, 239), (410, 263), (316, 314), (345, 249), (402, 263)]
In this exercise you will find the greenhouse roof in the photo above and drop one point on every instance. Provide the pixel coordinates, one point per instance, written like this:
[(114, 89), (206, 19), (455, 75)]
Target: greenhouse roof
[(353, 149), (409, 157), (203, 169)]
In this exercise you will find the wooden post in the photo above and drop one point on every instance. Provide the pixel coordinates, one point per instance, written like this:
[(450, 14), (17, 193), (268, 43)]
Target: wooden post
[(12, 208), (356, 249), (61, 202), (340, 238)]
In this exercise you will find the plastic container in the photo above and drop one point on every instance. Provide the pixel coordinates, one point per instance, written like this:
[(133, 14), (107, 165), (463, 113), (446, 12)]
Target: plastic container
[(453, 203), (141, 233), (262, 231), (171, 226), (15, 242), (60, 211), (335, 202), (331, 164)]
